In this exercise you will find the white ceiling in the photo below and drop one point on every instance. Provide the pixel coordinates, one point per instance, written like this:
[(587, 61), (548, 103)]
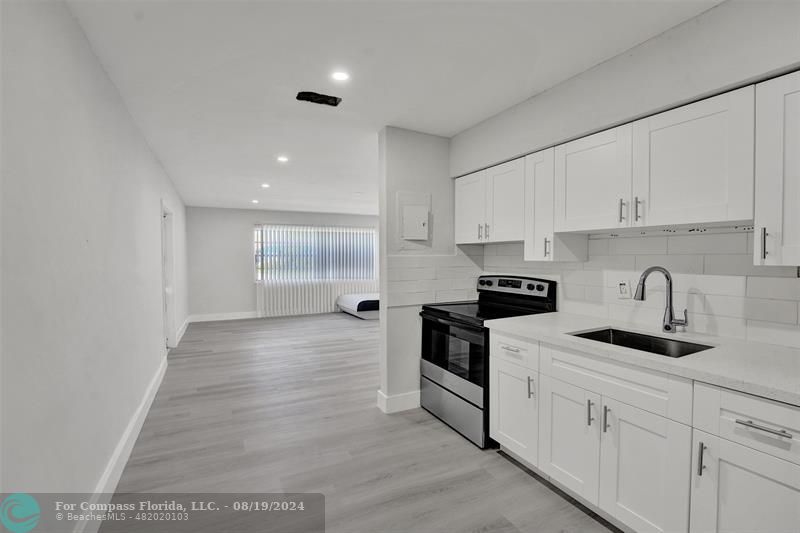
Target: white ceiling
[(212, 83)]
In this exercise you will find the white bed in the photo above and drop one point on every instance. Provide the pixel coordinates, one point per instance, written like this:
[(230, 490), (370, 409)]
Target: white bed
[(364, 306)]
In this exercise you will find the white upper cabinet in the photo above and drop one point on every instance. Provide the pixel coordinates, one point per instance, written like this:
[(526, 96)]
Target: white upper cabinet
[(736, 488), (644, 468), (777, 216), (694, 164), (541, 242), (470, 208), (489, 204), (505, 201), (593, 181)]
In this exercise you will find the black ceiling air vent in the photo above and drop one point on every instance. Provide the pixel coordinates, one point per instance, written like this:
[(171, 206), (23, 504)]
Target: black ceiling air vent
[(316, 98)]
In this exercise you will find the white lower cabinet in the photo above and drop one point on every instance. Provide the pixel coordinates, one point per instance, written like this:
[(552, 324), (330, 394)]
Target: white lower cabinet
[(738, 489), (631, 463), (514, 408), (644, 468), (570, 436)]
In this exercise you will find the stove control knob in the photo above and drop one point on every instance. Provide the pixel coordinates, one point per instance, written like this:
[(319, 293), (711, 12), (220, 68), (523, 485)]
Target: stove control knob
[(489, 282), (540, 287), (482, 282), (530, 286)]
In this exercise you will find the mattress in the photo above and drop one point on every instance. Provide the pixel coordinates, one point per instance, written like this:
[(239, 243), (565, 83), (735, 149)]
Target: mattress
[(363, 306)]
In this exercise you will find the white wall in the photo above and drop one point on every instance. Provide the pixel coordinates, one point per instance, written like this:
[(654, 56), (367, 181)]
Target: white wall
[(415, 165), (221, 263), (732, 44), (714, 278), (82, 317)]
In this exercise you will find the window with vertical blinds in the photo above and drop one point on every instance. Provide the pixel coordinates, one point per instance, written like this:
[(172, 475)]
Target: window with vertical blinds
[(289, 253)]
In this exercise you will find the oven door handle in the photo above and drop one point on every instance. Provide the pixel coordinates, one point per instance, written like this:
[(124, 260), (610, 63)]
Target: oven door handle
[(451, 323)]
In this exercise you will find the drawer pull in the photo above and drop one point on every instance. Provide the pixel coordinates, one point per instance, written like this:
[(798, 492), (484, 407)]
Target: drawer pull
[(751, 424), (606, 410), (530, 391), (509, 348), (589, 418)]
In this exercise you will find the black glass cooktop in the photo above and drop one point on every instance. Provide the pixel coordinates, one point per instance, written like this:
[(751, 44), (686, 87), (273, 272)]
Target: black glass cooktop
[(476, 312)]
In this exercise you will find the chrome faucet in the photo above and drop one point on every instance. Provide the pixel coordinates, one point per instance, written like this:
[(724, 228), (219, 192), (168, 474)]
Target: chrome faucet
[(669, 314)]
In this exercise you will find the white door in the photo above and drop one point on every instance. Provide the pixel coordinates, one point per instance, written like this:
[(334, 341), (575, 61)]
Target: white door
[(593, 181), (644, 468), (569, 439), (539, 205), (694, 164), (505, 202), (738, 489), (470, 210), (514, 408), (168, 277), (777, 217)]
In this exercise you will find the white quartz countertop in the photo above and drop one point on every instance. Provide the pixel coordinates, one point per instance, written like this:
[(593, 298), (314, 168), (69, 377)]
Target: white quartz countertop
[(756, 368)]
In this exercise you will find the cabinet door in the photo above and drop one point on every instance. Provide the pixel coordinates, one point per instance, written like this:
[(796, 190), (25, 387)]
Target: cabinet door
[(514, 408), (738, 489), (539, 205), (644, 468), (505, 202), (569, 441), (777, 217), (593, 181), (470, 212), (694, 164)]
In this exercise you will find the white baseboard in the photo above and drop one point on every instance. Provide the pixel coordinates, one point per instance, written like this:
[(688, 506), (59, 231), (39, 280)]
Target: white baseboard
[(398, 402), (213, 317), (107, 485), (182, 330)]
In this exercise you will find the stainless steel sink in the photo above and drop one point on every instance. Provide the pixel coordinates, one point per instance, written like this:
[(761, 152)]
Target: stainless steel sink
[(645, 343)]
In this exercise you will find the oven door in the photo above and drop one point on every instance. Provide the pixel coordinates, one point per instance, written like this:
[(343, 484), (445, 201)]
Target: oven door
[(454, 356)]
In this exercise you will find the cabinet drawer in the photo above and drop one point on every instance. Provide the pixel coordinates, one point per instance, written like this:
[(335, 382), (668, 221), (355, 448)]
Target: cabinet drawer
[(517, 351), (761, 424), (662, 394)]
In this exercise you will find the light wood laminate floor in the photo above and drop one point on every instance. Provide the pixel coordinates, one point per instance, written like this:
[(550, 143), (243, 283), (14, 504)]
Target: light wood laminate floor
[(288, 405)]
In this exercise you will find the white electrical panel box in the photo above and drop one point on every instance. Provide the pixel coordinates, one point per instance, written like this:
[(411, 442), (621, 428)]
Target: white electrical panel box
[(415, 222)]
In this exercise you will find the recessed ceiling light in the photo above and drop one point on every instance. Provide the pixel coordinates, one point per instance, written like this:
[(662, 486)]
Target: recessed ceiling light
[(265, 185), (340, 75), (282, 159), (255, 201)]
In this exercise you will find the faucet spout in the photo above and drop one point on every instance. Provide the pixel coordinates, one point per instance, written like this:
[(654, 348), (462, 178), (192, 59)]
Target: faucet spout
[(670, 321)]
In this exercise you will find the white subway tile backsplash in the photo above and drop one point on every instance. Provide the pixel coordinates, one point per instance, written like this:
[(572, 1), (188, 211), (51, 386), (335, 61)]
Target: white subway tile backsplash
[(742, 265), (613, 262), (775, 288), (410, 274), (780, 311), (719, 243), (599, 246), (637, 245), (687, 264), (771, 333)]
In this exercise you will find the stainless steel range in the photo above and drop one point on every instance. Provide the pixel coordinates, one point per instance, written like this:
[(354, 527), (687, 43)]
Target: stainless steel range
[(454, 384)]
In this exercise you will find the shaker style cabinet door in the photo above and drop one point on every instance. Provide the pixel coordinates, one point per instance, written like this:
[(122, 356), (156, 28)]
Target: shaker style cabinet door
[(644, 468), (593, 181), (569, 440), (470, 215), (514, 408), (777, 216), (737, 489), (505, 202), (694, 164)]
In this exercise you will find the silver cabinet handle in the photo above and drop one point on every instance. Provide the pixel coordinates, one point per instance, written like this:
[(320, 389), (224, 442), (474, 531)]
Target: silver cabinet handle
[(777, 432), (606, 410), (480, 231), (636, 216), (764, 243), (530, 391), (546, 242), (700, 466), (589, 418), (621, 205), (486, 230), (509, 348)]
